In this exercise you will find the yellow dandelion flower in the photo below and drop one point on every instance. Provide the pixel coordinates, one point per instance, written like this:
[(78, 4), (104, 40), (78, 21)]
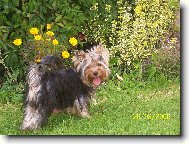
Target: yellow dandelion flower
[(34, 31), (38, 37), (38, 60), (55, 42), (48, 26), (65, 54), (49, 33), (17, 42), (73, 41)]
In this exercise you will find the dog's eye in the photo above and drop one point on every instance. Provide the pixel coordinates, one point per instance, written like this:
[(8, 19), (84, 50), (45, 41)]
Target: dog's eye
[(98, 64)]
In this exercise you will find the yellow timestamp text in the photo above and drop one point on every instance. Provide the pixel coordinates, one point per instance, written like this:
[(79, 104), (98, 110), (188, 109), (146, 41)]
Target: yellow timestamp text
[(150, 116)]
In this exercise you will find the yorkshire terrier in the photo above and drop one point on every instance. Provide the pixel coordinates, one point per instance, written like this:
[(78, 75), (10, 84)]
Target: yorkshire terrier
[(52, 87)]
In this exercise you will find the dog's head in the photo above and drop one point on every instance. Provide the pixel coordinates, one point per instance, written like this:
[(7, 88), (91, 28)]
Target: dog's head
[(92, 66)]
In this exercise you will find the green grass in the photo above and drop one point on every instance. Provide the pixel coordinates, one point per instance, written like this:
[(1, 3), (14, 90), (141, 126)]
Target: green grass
[(130, 109)]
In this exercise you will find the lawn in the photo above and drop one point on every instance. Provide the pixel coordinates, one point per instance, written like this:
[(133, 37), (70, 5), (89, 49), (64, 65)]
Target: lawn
[(125, 108)]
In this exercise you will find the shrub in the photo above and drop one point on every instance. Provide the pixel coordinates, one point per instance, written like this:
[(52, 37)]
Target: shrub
[(132, 34), (18, 16), (166, 61), (12, 89), (41, 43), (131, 30), (3, 68), (98, 26)]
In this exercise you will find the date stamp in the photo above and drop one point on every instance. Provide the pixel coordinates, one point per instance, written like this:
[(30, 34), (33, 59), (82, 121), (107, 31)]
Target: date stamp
[(150, 116)]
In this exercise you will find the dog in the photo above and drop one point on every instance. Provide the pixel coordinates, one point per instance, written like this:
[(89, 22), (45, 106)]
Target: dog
[(52, 87)]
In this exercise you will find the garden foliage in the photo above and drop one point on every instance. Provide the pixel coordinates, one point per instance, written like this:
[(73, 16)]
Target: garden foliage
[(133, 30)]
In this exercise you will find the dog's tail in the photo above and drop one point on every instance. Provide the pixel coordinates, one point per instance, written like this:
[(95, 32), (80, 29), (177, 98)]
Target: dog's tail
[(34, 74), (52, 62), (47, 63)]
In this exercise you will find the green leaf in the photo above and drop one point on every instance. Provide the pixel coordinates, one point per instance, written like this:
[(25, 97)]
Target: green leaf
[(151, 72), (58, 18), (64, 21), (54, 5), (60, 24), (113, 60), (68, 26)]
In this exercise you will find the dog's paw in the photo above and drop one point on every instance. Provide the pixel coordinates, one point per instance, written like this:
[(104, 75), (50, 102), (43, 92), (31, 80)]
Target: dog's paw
[(57, 110), (27, 128), (30, 126), (85, 115), (94, 102)]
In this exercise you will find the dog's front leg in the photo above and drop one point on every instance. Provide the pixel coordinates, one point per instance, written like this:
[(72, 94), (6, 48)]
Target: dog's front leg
[(79, 108), (82, 105)]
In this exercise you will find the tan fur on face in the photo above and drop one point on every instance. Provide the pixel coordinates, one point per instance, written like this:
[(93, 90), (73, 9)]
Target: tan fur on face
[(95, 67), (95, 59)]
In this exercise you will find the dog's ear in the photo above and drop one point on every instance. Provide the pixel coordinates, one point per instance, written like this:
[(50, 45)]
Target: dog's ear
[(102, 52), (78, 57)]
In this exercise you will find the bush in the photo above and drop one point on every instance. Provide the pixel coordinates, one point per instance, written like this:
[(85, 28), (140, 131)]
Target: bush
[(12, 90), (3, 68), (131, 30), (136, 31), (166, 61), (18, 16)]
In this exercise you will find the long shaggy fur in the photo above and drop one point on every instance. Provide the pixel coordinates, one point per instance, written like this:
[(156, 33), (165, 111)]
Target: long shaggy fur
[(51, 86)]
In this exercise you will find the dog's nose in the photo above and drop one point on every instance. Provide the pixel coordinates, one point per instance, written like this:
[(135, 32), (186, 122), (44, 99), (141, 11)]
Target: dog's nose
[(95, 73)]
